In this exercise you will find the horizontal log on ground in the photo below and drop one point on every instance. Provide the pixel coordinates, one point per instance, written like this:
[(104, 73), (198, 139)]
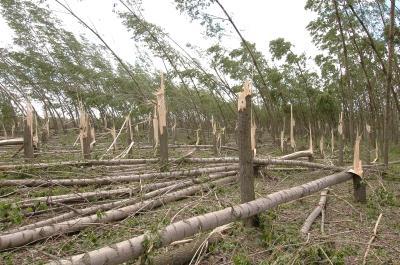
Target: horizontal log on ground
[(306, 153), (14, 141), (189, 146), (315, 213), (100, 194), (123, 162), (88, 210), (80, 163), (134, 247), (112, 205), (264, 162), (27, 236), (273, 161), (114, 179)]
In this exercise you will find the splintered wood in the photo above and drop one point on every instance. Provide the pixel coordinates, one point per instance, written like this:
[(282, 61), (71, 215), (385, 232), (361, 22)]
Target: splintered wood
[(357, 164), (340, 126), (253, 135), (321, 146), (376, 152), (45, 127), (155, 127), (243, 94), (84, 132), (161, 108), (28, 132)]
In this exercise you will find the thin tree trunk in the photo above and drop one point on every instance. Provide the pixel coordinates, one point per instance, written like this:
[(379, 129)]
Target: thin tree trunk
[(389, 83), (134, 247)]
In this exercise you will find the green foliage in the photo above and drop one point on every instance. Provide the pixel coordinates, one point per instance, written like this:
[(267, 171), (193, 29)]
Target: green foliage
[(241, 259), (11, 212), (279, 48)]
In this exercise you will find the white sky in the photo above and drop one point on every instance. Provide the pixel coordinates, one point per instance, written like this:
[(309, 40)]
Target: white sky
[(260, 21)]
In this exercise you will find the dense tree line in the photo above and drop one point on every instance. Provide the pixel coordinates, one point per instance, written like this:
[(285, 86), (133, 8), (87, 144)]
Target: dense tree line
[(356, 72)]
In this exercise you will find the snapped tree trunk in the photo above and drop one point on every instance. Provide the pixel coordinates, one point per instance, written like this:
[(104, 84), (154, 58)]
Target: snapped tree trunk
[(246, 174), (28, 133)]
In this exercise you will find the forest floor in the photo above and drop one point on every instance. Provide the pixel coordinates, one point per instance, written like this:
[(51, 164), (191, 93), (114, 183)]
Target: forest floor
[(347, 229)]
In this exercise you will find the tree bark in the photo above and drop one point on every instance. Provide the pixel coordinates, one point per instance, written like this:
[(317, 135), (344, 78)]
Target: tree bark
[(246, 174), (133, 248), (389, 87)]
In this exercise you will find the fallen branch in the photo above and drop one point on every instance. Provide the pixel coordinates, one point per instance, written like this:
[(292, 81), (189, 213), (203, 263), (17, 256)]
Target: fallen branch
[(372, 239), (314, 214), (305, 153)]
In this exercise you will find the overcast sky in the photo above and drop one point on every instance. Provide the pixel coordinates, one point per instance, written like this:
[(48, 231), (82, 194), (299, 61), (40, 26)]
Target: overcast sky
[(260, 21)]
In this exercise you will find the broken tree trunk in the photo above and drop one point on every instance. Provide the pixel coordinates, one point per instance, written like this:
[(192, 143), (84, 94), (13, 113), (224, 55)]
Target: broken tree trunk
[(315, 213), (368, 143), (129, 137), (92, 209), (15, 141), (155, 188), (359, 186), (214, 136), (28, 132), (292, 124), (305, 153), (134, 247), (113, 179), (246, 173), (45, 129), (24, 237), (84, 132), (162, 125)]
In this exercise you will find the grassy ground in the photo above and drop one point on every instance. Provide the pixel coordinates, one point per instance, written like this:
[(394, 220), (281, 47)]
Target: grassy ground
[(348, 225)]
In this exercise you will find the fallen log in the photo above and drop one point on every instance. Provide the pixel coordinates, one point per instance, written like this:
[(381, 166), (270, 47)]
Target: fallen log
[(137, 177), (86, 196), (79, 163), (134, 247), (315, 213), (305, 153), (27, 236), (114, 179), (88, 210), (132, 162), (14, 141)]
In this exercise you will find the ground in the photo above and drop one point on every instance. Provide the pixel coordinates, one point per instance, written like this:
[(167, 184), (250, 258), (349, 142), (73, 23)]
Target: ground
[(348, 226)]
